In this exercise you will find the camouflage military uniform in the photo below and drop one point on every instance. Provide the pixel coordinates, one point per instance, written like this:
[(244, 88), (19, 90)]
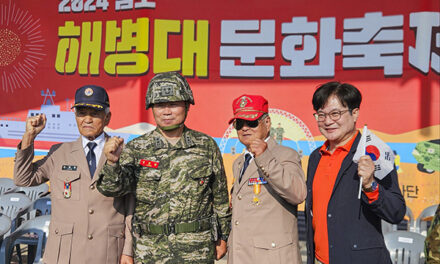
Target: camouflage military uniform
[(175, 185), (432, 242)]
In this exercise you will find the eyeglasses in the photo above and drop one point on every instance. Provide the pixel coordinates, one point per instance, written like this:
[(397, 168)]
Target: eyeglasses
[(239, 123), (334, 115)]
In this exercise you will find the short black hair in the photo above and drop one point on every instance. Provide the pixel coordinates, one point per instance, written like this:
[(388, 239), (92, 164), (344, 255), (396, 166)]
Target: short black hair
[(348, 95)]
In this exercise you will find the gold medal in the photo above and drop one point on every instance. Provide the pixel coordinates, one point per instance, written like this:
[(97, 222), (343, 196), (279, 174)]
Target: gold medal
[(257, 190)]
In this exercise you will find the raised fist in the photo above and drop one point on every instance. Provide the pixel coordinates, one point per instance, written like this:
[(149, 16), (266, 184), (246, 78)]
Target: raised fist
[(35, 124), (113, 148)]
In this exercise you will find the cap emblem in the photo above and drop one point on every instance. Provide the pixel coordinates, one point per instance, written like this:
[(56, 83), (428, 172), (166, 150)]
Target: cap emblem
[(244, 101), (88, 92)]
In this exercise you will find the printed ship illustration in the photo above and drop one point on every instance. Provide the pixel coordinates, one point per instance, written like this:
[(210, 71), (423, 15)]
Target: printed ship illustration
[(60, 125)]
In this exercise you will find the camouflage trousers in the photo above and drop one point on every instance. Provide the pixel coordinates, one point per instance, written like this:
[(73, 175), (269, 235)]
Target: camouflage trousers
[(174, 248)]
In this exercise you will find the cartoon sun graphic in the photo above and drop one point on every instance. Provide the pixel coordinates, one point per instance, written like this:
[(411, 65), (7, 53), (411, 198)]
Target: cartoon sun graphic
[(21, 47)]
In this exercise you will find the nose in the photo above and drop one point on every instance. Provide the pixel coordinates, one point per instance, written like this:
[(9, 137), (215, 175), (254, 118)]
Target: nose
[(88, 119), (167, 110)]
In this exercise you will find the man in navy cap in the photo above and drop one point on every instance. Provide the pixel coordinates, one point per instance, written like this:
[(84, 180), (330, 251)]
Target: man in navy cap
[(86, 227)]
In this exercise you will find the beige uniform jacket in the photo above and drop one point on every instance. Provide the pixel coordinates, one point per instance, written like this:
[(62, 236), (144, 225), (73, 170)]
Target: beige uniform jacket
[(87, 227), (263, 231)]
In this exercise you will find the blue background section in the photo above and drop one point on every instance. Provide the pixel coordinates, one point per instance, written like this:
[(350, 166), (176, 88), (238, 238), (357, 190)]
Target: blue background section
[(402, 149)]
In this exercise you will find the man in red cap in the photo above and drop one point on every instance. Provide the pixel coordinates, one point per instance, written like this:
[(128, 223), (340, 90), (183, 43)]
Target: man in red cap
[(268, 186)]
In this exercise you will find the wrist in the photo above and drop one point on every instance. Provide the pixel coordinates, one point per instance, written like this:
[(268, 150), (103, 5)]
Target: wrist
[(371, 187)]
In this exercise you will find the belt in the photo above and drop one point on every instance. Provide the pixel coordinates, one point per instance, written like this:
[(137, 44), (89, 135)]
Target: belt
[(172, 228)]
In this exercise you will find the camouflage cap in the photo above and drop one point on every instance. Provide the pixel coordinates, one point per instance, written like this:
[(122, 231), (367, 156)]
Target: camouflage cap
[(168, 87)]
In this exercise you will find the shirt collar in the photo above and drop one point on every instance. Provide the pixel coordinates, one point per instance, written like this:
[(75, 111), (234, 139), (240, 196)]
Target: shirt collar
[(346, 147), (99, 140)]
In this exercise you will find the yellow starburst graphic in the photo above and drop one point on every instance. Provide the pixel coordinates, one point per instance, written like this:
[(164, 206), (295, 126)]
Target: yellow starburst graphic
[(21, 47)]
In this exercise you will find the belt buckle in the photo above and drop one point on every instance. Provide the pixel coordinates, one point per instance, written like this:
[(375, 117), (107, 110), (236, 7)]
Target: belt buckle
[(170, 229)]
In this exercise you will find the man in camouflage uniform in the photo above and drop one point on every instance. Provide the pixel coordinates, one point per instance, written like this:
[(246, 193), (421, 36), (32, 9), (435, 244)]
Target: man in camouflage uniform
[(432, 242), (182, 213)]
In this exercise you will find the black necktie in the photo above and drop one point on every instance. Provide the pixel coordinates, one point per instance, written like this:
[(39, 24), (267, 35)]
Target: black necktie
[(247, 159), (91, 158)]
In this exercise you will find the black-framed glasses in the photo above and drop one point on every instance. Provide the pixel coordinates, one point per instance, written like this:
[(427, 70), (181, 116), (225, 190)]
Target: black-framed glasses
[(239, 123), (334, 115)]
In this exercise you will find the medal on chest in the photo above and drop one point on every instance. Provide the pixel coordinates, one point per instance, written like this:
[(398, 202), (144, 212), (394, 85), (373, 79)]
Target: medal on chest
[(257, 190), (256, 185), (67, 190)]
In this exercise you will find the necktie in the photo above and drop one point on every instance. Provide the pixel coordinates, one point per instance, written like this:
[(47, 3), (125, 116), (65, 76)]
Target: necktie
[(247, 159), (91, 158)]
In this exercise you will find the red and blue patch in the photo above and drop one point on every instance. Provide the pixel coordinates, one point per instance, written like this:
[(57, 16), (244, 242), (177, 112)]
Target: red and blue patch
[(255, 181)]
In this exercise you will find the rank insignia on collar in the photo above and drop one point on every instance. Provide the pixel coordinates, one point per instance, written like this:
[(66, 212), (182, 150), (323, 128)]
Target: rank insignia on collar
[(256, 181), (149, 163), (69, 167)]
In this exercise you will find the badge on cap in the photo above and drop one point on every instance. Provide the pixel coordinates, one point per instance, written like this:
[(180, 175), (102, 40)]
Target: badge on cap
[(244, 101), (88, 92), (67, 190)]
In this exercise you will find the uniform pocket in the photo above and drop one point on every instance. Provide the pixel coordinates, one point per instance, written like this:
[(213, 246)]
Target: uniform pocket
[(147, 185), (201, 175), (63, 190), (366, 247), (59, 244), (115, 243), (274, 248)]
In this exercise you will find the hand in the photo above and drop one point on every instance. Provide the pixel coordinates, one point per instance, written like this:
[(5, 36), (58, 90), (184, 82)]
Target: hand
[(35, 124), (126, 259), (220, 249), (112, 149), (366, 171), (257, 147)]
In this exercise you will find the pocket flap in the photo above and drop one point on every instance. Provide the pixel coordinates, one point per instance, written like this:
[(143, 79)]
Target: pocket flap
[(150, 174), (273, 242), (116, 230), (60, 229), (367, 243), (68, 176), (202, 171)]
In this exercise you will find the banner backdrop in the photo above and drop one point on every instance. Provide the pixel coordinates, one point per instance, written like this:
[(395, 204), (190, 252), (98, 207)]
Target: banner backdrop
[(282, 50)]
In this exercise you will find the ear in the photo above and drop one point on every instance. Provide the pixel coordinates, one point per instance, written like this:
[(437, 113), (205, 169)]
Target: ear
[(268, 123), (355, 114), (107, 118)]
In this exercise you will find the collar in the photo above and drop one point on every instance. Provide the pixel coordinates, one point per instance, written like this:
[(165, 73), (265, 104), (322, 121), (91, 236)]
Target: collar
[(186, 140), (324, 148), (99, 140)]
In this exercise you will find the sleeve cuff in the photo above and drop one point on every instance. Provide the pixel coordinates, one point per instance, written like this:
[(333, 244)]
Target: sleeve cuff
[(372, 196)]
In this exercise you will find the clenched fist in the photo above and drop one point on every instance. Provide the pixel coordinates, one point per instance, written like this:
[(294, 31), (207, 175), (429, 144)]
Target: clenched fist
[(366, 170), (34, 125), (257, 147), (112, 149)]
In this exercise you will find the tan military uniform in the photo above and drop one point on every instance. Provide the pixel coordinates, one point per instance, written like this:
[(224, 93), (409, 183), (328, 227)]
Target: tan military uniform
[(263, 230), (86, 227)]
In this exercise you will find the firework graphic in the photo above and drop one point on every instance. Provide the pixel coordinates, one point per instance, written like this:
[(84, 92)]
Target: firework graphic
[(21, 47)]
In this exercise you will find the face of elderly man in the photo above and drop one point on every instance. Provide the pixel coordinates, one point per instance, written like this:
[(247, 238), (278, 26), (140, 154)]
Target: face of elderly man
[(91, 121), (248, 133)]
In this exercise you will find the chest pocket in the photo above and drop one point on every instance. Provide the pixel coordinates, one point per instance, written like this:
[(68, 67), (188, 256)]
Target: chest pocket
[(147, 184), (67, 185), (201, 176)]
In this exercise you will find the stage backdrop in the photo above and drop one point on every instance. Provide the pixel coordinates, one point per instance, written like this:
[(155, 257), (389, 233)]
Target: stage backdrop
[(282, 50)]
